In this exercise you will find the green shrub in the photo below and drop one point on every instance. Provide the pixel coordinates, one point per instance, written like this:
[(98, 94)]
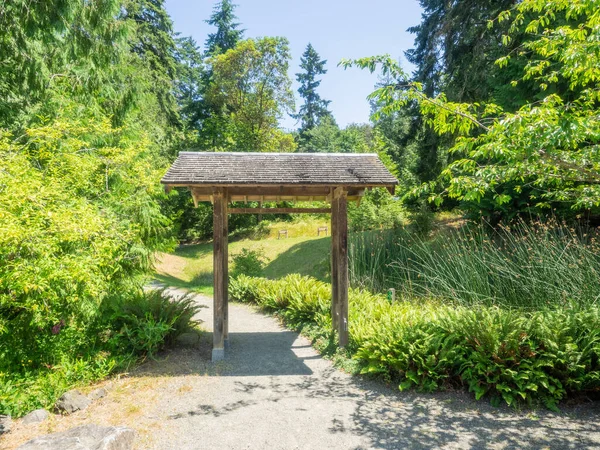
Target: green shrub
[(249, 262), (149, 321), (510, 355), (127, 330), (377, 209)]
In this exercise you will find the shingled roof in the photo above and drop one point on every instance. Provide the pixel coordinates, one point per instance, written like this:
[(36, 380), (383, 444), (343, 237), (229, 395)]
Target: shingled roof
[(307, 169)]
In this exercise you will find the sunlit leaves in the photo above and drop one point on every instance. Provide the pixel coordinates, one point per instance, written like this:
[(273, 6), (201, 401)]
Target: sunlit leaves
[(550, 147)]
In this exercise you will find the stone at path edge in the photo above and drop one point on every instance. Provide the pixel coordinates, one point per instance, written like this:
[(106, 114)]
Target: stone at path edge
[(86, 437), (39, 415), (5, 424), (72, 401)]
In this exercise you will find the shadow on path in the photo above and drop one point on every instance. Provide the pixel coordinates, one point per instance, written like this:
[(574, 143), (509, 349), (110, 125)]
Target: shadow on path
[(274, 391)]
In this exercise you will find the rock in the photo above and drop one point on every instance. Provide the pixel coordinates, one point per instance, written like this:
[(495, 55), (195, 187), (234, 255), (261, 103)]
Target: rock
[(72, 401), (39, 415), (5, 424), (97, 393), (86, 437)]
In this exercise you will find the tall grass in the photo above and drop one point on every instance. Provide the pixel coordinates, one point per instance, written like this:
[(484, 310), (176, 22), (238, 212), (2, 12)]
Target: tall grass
[(526, 265)]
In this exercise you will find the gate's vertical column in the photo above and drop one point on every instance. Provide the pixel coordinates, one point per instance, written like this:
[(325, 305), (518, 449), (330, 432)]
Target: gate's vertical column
[(219, 273), (334, 265), (339, 270)]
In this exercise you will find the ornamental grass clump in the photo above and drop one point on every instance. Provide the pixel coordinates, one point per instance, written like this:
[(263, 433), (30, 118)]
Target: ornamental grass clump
[(526, 265)]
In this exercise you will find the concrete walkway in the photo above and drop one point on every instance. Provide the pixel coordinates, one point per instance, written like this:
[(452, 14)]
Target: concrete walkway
[(275, 392)]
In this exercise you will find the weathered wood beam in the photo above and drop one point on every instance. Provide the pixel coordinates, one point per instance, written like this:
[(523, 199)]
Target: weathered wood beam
[(219, 273), (334, 266), (276, 191), (339, 220), (278, 210)]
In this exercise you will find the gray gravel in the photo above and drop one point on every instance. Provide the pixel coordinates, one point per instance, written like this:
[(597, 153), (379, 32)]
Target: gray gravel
[(274, 391)]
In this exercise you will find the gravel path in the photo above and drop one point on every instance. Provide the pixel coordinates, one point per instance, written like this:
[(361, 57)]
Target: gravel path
[(274, 391)]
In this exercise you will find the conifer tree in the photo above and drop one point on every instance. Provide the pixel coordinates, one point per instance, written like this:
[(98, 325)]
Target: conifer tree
[(228, 33), (154, 44), (314, 107)]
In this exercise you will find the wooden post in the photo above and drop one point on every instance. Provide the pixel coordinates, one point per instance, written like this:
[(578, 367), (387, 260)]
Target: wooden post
[(219, 273), (334, 266), (339, 239), (226, 273)]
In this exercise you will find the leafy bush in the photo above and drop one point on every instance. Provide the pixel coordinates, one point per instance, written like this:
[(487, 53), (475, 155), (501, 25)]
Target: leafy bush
[(249, 262), (127, 330), (378, 209), (147, 322), (515, 356)]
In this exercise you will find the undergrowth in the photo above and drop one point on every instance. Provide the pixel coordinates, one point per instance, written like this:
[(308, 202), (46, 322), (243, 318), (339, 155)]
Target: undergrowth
[(125, 332)]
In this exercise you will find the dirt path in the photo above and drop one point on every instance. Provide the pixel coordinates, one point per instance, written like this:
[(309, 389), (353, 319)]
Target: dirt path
[(275, 392)]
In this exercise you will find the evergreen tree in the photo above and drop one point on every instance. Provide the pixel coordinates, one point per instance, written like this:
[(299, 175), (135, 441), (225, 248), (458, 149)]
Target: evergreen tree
[(454, 53), (228, 33), (54, 42), (190, 78), (153, 42), (314, 107)]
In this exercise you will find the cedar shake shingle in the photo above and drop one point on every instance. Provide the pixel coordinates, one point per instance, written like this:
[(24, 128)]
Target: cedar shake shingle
[(349, 169)]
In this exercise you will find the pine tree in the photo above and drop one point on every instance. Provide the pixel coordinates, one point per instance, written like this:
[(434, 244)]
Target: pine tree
[(228, 33), (314, 107)]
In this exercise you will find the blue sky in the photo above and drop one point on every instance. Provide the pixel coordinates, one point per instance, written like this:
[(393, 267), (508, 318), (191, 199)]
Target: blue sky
[(336, 28)]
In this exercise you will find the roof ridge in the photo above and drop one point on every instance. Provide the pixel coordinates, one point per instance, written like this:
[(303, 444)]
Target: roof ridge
[(187, 152)]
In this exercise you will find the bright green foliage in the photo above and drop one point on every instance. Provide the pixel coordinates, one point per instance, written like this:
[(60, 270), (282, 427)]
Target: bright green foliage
[(454, 52), (86, 118), (510, 356), (314, 108), (228, 33), (377, 209), (547, 149), (525, 266), (327, 137), (78, 220), (251, 90), (249, 262)]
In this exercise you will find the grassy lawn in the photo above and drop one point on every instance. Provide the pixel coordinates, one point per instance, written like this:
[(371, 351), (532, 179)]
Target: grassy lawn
[(190, 266)]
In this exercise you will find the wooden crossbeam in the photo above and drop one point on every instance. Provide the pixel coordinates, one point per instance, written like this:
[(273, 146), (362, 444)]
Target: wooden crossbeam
[(278, 210)]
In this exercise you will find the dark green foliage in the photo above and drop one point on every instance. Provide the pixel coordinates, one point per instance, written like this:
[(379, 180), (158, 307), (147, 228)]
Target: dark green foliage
[(190, 82), (314, 108), (43, 43), (152, 41), (228, 33), (510, 356)]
